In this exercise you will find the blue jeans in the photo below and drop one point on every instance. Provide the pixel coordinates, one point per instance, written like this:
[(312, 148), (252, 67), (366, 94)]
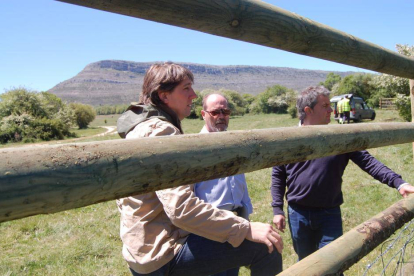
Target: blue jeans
[(313, 229), (201, 256)]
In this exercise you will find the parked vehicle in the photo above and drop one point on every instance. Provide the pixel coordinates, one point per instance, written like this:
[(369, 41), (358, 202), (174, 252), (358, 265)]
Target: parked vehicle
[(359, 109)]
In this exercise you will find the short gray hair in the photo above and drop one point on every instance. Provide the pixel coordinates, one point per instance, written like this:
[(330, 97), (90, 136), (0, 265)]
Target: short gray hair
[(309, 97)]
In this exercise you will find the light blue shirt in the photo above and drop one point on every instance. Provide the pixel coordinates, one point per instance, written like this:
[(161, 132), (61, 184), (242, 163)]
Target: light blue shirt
[(226, 193)]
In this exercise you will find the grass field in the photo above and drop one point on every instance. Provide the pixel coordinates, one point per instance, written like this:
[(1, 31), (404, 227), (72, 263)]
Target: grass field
[(86, 241)]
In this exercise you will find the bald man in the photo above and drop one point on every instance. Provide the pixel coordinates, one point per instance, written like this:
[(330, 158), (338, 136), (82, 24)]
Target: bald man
[(228, 193)]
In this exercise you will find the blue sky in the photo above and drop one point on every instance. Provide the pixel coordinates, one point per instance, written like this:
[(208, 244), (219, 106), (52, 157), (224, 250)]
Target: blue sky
[(44, 42)]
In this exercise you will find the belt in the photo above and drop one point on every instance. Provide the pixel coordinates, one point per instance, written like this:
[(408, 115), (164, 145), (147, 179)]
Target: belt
[(294, 205)]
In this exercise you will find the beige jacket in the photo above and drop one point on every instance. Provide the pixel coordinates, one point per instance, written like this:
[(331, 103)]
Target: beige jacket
[(154, 226)]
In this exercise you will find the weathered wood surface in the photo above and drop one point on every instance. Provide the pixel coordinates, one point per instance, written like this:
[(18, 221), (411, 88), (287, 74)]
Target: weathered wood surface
[(264, 24), (47, 179), (347, 250)]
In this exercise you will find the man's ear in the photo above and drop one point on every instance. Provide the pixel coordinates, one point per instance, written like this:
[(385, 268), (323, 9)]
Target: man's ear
[(203, 113), (308, 110), (163, 96)]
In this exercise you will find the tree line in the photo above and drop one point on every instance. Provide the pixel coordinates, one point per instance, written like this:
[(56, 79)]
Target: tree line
[(279, 99), (275, 99)]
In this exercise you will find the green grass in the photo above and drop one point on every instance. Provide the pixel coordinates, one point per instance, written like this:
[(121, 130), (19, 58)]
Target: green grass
[(88, 131), (244, 122), (86, 241), (105, 120)]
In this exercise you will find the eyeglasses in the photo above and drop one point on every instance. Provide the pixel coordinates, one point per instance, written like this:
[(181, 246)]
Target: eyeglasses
[(214, 113)]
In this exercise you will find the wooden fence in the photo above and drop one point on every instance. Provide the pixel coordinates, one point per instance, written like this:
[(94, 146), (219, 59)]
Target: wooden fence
[(47, 179), (51, 178), (387, 103)]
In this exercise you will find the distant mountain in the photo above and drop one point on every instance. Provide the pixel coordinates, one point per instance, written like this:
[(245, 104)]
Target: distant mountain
[(120, 82)]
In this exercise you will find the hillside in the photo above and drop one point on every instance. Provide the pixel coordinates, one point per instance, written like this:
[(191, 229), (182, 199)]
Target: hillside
[(119, 82)]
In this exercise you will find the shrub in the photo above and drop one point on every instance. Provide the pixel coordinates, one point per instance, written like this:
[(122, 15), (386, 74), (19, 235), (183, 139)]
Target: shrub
[(403, 104), (28, 116), (275, 99), (84, 114), (292, 111), (28, 129)]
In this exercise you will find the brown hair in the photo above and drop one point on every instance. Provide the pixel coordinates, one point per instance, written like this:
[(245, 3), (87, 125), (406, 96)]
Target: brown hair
[(162, 77)]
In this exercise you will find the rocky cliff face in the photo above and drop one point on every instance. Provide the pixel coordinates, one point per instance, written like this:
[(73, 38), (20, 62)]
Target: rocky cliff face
[(120, 82)]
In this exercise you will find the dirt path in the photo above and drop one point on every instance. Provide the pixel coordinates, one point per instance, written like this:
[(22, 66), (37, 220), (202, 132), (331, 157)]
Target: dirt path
[(110, 130)]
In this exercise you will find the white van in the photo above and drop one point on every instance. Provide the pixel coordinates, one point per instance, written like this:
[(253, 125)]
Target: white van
[(359, 109)]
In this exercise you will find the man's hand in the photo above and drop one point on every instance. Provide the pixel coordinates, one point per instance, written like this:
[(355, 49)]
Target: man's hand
[(264, 233), (406, 190), (280, 222)]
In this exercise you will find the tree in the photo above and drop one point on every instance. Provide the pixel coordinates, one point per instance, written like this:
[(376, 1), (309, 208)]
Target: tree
[(56, 108), (331, 80), (248, 99), (275, 99), (20, 101), (359, 85), (29, 116), (197, 106), (403, 104), (236, 102), (84, 114), (397, 86)]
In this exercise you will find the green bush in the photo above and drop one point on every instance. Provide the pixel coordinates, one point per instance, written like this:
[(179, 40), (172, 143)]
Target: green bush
[(275, 99), (198, 112), (236, 102), (46, 129), (359, 85), (403, 104), (197, 105), (331, 80), (292, 111), (84, 114), (27, 128), (29, 116), (248, 99)]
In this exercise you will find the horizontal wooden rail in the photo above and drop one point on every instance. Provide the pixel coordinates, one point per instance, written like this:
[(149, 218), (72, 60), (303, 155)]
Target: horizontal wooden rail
[(348, 249), (47, 179), (264, 24), (387, 103)]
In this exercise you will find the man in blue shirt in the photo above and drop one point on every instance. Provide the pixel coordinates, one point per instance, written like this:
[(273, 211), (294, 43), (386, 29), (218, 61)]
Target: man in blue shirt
[(228, 193), (314, 192)]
